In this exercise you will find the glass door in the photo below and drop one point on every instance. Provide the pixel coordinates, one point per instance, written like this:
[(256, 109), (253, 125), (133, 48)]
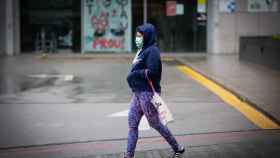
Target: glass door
[(50, 26), (178, 24)]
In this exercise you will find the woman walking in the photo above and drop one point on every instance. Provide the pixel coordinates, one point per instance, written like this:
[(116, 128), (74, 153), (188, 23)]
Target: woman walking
[(146, 64)]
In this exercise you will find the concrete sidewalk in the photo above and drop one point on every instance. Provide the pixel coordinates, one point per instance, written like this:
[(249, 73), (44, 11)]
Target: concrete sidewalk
[(258, 144), (257, 84), (246, 144)]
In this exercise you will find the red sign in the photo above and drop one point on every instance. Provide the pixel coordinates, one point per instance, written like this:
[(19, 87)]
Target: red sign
[(170, 8), (108, 43)]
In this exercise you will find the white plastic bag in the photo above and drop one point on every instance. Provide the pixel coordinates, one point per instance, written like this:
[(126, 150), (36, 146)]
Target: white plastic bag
[(165, 115)]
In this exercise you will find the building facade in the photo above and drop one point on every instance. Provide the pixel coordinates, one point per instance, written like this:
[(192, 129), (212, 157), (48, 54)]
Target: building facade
[(213, 26)]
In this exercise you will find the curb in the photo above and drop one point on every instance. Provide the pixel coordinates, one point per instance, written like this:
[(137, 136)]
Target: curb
[(235, 93)]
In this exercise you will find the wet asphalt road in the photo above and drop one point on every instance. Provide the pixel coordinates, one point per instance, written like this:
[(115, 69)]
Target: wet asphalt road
[(50, 110)]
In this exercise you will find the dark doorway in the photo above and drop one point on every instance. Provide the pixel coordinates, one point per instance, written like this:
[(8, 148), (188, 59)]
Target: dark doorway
[(179, 33), (50, 25)]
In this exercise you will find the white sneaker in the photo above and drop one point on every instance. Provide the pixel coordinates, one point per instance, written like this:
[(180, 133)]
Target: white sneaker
[(179, 153)]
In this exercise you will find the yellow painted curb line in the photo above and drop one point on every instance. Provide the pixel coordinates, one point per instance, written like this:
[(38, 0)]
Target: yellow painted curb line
[(248, 111)]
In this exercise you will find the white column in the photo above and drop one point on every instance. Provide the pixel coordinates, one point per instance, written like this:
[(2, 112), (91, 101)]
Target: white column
[(213, 26), (9, 28), (12, 27)]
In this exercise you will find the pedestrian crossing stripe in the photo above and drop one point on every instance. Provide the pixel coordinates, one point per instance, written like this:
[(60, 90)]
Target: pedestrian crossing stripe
[(44, 76)]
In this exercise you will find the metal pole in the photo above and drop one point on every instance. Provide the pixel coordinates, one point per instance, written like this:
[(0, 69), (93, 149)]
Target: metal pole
[(145, 11), (82, 26), (17, 26)]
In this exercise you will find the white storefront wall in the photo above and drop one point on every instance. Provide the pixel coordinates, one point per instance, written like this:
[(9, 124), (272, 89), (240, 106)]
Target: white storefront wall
[(225, 28)]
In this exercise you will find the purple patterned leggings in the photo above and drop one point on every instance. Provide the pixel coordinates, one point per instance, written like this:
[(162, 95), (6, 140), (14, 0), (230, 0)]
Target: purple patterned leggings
[(141, 104)]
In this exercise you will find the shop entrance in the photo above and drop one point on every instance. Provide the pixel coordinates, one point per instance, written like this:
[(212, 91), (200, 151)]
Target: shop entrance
[(180, 26), (50, 26), (55, 25)]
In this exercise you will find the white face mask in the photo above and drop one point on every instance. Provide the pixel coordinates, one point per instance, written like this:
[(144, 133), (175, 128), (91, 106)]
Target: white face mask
[(139, 42)]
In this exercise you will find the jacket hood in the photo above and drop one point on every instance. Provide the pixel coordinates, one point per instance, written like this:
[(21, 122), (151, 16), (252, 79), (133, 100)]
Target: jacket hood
[(149, 34)]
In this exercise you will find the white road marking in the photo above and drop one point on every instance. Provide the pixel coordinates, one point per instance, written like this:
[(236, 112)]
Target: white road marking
[(64, 77), (144, 124), (68, 77), (120, 114)]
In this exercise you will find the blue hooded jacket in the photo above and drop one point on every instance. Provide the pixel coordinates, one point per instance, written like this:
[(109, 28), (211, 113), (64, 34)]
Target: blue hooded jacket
[(148, 58)]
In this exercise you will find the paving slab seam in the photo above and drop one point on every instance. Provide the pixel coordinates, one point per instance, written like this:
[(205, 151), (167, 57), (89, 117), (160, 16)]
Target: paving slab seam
[(97, 102), (255, 131), (168, 151), (145, 145)]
